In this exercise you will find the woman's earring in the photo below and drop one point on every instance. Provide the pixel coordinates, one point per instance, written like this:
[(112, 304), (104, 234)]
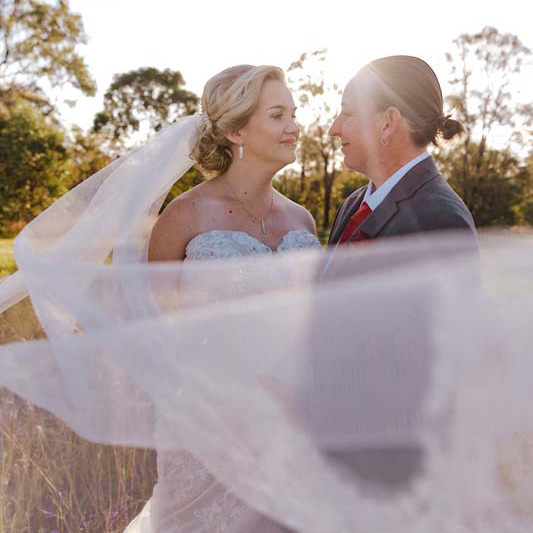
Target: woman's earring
[(241, 151)]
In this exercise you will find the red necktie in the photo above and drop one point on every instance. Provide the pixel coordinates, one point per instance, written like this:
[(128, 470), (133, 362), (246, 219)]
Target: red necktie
[(355, 221)]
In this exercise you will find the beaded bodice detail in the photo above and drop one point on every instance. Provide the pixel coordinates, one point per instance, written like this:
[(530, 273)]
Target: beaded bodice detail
[(220, 244)]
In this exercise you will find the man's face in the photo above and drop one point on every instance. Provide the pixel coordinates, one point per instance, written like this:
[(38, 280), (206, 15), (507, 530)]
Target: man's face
[(357, 127)]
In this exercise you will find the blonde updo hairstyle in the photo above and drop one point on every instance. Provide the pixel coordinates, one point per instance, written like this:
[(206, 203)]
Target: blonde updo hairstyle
[(229, 100)]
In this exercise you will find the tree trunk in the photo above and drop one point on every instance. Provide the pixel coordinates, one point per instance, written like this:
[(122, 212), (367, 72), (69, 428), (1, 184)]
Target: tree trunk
[(327, 199)]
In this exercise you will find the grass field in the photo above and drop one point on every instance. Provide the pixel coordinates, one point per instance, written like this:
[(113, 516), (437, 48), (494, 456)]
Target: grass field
[(54, 481), (7, 262), (51, 480)]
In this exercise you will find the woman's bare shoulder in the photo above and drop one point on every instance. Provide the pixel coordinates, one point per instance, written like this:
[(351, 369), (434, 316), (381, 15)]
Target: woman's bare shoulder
[(189, 201), (298, 213), (177, 224)]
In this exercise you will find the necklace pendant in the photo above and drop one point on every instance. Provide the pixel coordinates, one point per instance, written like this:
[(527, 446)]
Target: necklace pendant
[(263, 227)]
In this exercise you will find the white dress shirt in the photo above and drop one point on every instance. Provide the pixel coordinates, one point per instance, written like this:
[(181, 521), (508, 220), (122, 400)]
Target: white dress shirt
[(373, 197)]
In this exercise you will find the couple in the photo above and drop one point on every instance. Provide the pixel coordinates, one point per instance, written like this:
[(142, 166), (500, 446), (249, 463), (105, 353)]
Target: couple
[(198, 377), (391, 110)]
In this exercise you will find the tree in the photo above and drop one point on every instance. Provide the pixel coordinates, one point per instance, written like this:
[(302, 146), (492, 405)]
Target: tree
[(146, 95), (38, 42), (348, 182), (483, 67), (309, 156), (496, 187), (86, 156), (527, 197), (33, 166), (319, 151), (144, 99), (289, 183)]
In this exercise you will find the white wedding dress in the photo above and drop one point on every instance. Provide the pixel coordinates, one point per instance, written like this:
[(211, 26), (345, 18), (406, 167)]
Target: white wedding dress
[(187, 497)]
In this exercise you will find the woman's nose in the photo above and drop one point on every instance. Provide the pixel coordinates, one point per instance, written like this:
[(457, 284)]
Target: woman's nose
[(293, 127)]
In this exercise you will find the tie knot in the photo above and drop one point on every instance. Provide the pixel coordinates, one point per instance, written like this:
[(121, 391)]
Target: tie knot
[(355, 221)]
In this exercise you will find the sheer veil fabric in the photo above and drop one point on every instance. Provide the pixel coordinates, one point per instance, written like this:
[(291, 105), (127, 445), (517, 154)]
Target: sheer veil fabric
[(386, 389)]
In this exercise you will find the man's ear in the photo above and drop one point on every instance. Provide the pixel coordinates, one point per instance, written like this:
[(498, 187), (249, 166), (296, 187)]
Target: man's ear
[(390, 121)]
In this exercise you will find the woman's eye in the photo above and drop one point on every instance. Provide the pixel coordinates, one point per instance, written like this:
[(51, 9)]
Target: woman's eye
[(277, 117)]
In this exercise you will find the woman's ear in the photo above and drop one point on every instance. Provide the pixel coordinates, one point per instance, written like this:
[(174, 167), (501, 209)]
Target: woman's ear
[(235, 137)]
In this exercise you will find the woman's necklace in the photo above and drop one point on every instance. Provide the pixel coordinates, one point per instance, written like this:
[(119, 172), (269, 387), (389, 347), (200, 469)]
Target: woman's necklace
[(261, 220)]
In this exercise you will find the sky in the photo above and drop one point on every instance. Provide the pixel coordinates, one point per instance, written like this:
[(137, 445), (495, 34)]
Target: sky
[(201, 38)]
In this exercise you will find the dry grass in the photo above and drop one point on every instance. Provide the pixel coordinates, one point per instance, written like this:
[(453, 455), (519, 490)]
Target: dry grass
[(51, 480), (7, 263)]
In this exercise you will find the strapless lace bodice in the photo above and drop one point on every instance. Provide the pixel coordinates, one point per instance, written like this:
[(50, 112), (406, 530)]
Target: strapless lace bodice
[(220, 244)]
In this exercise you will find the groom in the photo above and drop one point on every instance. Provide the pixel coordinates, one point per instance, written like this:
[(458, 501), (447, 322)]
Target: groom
[(392, 109)]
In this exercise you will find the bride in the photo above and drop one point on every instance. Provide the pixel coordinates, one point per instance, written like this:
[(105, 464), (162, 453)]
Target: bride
[(249, 133)]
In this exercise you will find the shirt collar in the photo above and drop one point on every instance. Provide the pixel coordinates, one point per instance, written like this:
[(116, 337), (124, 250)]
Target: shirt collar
[(373, 197)]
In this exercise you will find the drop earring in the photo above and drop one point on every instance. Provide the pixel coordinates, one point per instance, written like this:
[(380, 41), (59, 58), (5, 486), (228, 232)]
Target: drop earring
[(241, 151)]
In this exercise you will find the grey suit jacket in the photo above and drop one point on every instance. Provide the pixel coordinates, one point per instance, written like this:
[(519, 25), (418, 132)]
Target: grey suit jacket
[(421, 201)]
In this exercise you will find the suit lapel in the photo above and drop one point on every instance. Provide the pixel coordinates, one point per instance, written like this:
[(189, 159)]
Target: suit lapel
[(376, 220), (350, 206), (402, 191)]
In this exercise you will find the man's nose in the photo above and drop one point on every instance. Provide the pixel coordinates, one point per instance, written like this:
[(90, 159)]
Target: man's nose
[(334, 129)]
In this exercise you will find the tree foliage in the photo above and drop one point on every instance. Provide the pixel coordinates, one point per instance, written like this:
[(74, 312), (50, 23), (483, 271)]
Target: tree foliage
[(146, 95), (33, 166), (38, 50), (39, 162), (484, 69), (484, 66), (319, 152), (496, 190), (311, 196), (86, 155), (38, 41)]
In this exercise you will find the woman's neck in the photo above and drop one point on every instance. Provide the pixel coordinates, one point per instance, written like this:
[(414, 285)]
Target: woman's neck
[(249, 182)]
